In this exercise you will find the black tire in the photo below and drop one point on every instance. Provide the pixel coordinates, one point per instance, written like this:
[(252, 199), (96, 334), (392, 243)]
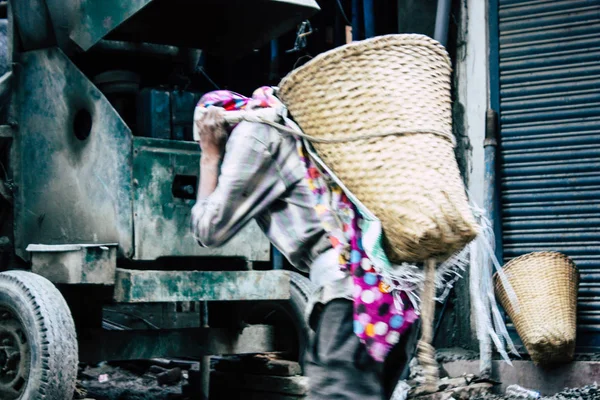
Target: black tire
[(36, 321), (284, 313)]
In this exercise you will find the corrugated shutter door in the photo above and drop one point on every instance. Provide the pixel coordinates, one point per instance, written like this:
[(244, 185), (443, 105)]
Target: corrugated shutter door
[(550, 133)]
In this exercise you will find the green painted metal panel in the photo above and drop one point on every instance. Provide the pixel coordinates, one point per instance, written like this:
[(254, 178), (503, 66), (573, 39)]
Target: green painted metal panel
[(166, 177), (137, 286), (72, 159)]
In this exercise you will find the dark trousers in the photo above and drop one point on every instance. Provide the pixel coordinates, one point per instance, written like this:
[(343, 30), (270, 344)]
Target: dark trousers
[(339, 366)]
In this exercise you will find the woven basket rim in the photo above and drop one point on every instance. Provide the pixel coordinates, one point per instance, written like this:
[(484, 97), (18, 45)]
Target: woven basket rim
[(536, 255), (339, 93), (358, 47)]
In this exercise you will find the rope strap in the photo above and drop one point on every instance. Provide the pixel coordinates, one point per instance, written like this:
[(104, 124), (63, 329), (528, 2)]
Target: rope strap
[(266, 116), (426, 352), (349, 138)]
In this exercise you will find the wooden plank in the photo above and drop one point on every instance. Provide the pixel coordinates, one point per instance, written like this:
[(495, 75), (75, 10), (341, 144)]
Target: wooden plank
[(461, 393), (348, 32), (258, 366), (442, 385), (98, 345), (269, 396), (292, 385)]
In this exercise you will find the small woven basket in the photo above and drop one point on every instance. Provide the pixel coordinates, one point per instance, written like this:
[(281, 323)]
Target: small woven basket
[(394, 92), (546, 285)]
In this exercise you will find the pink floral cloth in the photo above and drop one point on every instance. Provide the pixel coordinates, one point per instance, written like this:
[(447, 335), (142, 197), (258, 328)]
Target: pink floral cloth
[(379, 321)]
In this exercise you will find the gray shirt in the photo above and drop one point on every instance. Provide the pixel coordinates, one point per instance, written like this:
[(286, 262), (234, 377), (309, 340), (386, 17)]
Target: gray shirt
[(262, 178)]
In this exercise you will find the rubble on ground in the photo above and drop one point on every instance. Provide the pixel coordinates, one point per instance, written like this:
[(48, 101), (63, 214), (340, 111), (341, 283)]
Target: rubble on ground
[(133, 381), (590, 392), (165, 379)]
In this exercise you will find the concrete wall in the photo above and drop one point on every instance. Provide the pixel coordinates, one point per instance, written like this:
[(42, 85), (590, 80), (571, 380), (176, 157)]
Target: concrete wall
[(471, 74), (468, 47)]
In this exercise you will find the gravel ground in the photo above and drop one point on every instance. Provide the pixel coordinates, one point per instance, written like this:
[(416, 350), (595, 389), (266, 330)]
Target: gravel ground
[(106, 382), (110, 382), (591, 392)]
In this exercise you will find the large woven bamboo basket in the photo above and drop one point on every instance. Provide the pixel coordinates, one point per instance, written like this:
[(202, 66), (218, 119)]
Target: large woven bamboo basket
[(545, 285), (394, 92)]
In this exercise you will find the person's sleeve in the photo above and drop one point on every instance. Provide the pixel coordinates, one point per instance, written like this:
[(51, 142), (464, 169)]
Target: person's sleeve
[(247, 185)]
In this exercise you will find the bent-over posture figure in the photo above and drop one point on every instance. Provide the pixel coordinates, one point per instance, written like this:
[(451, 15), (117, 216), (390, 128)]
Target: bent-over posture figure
[(255, 172)]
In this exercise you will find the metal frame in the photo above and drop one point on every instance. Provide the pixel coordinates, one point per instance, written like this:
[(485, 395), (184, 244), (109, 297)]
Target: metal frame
[(136, 286), (589, 341)]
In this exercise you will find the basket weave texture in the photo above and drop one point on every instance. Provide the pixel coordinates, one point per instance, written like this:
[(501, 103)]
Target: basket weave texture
[(397, 85), (546, 285)]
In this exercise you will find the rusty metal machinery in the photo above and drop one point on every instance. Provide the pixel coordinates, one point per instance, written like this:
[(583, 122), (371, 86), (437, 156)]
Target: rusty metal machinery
[(80, 171), (99, 176)]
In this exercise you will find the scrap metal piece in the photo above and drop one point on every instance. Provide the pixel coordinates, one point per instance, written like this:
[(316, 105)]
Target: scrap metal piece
[(73, 159), (86, 22), (138, 286), (98, 345), (207, 18), (75, 263)]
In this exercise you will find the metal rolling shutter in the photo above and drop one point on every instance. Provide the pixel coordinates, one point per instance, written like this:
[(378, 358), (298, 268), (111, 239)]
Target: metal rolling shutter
[(550, 132)]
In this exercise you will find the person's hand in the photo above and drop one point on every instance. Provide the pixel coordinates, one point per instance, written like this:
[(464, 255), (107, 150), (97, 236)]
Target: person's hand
[(212, 132)]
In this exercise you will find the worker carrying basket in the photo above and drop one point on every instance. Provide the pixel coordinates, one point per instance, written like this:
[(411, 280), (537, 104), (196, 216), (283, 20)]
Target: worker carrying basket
[(372, 126)]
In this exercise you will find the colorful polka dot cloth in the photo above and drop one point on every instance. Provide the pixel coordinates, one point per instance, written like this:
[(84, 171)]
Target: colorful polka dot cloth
[(378, 320), (379, 317)]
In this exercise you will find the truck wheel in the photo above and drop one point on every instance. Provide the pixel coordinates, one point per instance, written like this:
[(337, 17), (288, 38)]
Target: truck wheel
[(289, 314), (38, 344)]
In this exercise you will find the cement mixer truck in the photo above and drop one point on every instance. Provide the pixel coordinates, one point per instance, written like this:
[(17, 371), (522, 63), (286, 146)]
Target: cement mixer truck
[(98, 175)]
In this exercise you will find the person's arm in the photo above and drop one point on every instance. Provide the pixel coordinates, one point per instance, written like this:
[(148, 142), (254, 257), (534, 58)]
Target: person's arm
[(247, 184), (213, 137), (209, 177)]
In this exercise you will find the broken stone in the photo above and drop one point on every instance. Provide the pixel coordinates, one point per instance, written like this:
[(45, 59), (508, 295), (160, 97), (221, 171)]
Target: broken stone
[(169, 377)]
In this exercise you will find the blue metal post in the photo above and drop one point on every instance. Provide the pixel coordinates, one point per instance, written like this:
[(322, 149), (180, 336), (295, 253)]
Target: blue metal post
[(442, 19), (274, 49), (274, 67), (491, 195), (369, 13), (494, 56), (491, 192), (356, 18), (492, 210), (490, 147)]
